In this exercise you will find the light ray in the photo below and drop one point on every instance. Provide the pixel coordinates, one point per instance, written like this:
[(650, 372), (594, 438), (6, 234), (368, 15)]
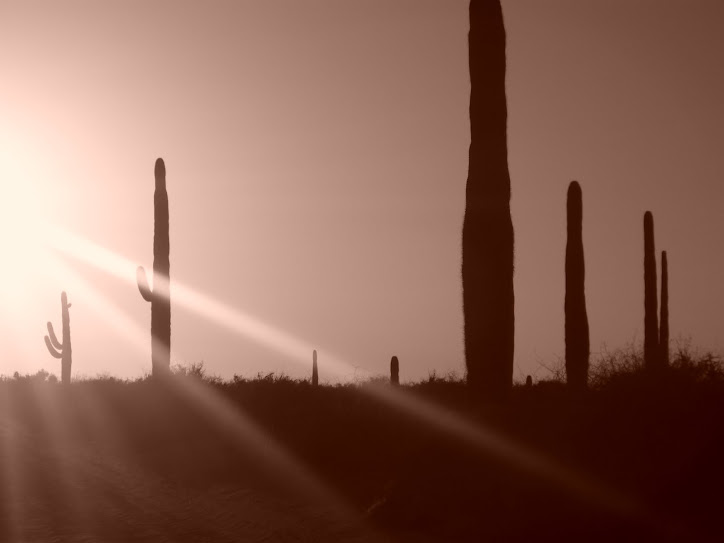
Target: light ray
[(233, 319), (495, 444), (230, 418), (222, 411), (97, 302), (484, 440), (63, 454)]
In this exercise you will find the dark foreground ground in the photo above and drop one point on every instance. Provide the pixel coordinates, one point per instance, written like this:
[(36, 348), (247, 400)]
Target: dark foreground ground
[(277, 460)]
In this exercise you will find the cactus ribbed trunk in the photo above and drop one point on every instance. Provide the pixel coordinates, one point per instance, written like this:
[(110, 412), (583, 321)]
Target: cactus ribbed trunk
[(664, 320), (394, 371), (651, 326), (487, 237), (315, 371), (576, 318), (61, 350), (160, 296)]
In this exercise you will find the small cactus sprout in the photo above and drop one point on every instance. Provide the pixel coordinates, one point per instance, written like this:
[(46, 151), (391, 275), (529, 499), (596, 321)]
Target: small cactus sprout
[(315, 372), (664, 320), (528, 382), (61, 350), (159, 297), (576, 318), (651, 321), (395, 371)]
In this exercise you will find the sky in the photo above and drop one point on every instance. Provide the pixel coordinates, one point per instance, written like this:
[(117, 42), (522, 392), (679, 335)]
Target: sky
[(317, 156)]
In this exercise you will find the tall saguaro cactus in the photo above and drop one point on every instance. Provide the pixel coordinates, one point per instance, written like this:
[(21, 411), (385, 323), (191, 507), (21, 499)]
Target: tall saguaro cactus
[(159, 297), (651, 325), (315, 371), (61, 350), (664, 318), (576, 326), (487, 238), (395, 371)]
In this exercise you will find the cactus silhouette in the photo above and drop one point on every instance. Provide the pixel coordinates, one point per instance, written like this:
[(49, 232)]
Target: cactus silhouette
[(315, 372), (528, 382), (159, 297), (664, 320), (487, 237), (61, 350), (395, 371), (651, 321), (576, 319)]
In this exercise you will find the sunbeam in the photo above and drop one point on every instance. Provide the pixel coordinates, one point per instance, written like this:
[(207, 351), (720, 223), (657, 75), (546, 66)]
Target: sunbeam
[(237, 321), (99, 303), (506, 451), (484, 440), (65, 459), (220, 411)]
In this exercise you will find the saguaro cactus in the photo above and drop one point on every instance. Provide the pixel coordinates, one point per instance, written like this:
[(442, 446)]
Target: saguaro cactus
[(487, 237), (651, 325), (315, 372), (395, 371), (61, 350), (159, 297), (664, 318), (576, 324)]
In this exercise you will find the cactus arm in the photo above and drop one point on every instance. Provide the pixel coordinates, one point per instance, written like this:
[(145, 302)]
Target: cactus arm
[(53, 338), (51, 349), (143, 287)]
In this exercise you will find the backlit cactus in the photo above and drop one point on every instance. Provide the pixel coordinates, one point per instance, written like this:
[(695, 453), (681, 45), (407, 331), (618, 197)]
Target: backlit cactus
[(487, 237), (664, 319), (58, 349), (576, 318), (395, 371), (315, 372), (651, 321), (159, 297)]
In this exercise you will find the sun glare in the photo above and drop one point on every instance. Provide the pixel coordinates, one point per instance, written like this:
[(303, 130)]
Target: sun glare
[(27, 204)]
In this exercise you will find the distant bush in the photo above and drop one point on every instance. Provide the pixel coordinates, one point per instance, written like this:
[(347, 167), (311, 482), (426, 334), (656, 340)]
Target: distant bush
[(195, 370), (688, 365)]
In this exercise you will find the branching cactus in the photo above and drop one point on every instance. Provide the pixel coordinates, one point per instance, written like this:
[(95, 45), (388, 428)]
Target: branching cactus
[(664, 319), (651, 321), (395, 371), (315, 373), (576, 318), (159, 297), (58, 349)]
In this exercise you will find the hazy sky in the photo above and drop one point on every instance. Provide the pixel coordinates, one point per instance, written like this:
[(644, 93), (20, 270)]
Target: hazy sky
[(317, 156)]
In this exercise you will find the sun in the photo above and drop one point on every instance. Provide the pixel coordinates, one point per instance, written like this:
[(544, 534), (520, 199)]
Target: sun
[(26, 219)]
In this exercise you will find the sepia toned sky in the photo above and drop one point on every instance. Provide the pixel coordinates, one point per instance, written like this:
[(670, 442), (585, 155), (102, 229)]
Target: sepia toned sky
[(317, 154)]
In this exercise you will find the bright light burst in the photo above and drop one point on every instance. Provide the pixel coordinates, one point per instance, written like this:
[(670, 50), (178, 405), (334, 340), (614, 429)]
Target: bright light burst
[(29, 204)]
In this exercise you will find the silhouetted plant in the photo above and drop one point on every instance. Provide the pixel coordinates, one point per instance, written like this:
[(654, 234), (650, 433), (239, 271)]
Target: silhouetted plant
[(395, 371), (664, 319), (528, 382), (576, 319), (651, 321), (315, 372), (487, 240), (58, 349), (159, 297)]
